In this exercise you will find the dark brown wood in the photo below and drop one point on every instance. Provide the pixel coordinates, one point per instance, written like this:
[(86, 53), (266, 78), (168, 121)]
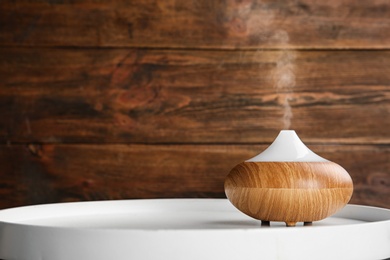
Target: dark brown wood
[(227, 24), (32, 174), (159, 96), (191, 87)]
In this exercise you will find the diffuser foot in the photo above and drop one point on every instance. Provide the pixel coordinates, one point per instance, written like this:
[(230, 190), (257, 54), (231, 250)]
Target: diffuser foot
[(291, 224), (265, 223)]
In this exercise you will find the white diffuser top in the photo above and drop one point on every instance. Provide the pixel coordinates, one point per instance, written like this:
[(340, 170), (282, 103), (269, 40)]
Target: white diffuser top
[(287, 147)]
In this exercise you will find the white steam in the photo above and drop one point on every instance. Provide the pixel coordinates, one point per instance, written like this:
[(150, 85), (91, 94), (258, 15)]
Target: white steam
[(284, 82), (258, 20)]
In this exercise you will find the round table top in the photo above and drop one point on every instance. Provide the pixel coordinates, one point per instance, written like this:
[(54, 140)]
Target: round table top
[(185, 229)]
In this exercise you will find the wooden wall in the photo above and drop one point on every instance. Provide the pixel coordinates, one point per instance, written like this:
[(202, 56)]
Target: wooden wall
[(153, 99)]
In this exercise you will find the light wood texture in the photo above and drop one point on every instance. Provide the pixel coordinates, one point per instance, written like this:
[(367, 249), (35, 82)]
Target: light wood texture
[(290, 192), (196, 24), (159, 96)]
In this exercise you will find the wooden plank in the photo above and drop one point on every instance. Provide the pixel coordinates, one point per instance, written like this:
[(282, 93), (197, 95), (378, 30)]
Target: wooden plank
[(196, 24), (34, 174), (158, 96)]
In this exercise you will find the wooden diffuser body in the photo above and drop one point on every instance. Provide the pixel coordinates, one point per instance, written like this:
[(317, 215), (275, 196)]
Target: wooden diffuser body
[(288, 183)]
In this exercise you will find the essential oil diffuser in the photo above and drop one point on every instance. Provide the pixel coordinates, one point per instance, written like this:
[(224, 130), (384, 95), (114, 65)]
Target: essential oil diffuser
[(289, 183)]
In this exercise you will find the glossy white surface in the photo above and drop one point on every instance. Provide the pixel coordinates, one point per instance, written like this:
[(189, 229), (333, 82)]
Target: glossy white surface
[(287, 147), (184, 229)]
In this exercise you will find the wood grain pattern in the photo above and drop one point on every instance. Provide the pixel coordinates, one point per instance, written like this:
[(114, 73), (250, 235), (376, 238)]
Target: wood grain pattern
[(196, 24), (35, 174), (290, 192), (192, 87), (157, 96)]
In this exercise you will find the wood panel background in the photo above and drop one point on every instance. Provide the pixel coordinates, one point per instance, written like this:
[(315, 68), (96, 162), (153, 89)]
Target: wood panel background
[(160, 99)]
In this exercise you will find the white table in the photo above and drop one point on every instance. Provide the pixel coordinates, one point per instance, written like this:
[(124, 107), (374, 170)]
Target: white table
[(179, 229)]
